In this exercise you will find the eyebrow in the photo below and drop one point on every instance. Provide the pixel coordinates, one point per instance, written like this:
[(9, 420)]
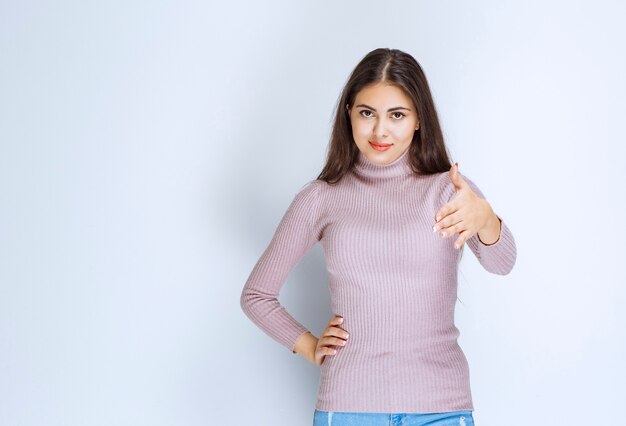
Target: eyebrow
[(389, 110)]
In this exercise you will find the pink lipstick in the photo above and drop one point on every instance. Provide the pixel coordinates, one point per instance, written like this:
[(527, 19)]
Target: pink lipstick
[(380, 146)]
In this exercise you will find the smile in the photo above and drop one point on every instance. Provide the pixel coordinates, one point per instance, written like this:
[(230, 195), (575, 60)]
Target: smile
[(380, 146)]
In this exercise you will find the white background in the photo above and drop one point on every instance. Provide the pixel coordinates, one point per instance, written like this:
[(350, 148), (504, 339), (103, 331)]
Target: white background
[(148, 150)]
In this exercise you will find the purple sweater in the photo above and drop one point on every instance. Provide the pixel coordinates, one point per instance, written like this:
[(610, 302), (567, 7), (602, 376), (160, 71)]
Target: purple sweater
[(392, 279)]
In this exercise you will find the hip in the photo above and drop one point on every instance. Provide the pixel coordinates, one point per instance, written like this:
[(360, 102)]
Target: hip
[(343, 418)]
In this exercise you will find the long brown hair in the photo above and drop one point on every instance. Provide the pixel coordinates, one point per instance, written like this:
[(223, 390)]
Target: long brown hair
[(427, 153)]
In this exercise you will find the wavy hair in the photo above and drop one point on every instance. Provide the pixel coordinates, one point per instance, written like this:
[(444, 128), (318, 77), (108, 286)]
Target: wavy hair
[(427, 152)]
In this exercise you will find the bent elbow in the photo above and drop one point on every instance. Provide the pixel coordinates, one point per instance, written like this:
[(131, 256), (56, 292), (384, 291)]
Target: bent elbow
[(246, 301), (503, 271), (255, 303)]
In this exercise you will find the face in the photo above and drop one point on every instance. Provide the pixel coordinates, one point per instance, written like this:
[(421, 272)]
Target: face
[(383, 122)]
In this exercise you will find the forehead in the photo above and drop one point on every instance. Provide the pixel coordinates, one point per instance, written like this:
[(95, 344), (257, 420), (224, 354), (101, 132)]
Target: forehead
[(382, 94)]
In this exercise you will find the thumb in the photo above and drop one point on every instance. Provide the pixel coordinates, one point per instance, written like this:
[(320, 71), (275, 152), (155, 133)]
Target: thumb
[(456, 178)]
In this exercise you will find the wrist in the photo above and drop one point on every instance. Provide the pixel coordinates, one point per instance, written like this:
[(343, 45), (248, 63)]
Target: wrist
[(490, 233), (305, 346)]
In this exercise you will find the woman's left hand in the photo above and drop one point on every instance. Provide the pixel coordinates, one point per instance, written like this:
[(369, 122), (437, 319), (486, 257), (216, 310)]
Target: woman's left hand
[(465, 214)]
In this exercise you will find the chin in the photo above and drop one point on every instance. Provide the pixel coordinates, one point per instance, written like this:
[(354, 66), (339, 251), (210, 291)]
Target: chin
[(381, 157)]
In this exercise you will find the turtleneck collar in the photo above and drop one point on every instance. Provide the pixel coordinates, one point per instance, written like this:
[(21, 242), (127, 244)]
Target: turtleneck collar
[(398, 167)]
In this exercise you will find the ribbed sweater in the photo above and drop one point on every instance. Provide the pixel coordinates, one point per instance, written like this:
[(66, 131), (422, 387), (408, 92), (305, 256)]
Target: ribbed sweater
[(392, 279)]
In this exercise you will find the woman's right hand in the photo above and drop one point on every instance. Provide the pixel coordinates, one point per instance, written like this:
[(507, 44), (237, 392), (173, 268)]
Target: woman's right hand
[(331, 337)]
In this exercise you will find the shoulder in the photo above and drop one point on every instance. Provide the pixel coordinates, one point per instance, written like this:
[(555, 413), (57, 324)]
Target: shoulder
[(315, 188), (443, 180), (309, 194), (311, 188)]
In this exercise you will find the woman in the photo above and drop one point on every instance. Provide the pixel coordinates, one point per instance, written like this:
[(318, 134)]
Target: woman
[(390, 353)]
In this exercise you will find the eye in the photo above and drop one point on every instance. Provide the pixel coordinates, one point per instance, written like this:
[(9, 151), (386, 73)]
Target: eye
[(365, 110), (401, 115)]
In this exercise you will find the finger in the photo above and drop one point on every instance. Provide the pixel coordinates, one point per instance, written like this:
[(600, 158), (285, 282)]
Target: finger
[(463, 237), (447, 221), (458, 228), (458, 243), (328, 351), (450, 230), (332, 341), (445, 210), (325, 350), (337, 319), (456, 177), (337, 331), (455, 224)]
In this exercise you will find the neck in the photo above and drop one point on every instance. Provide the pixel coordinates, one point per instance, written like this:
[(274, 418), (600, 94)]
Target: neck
[(398, 167)]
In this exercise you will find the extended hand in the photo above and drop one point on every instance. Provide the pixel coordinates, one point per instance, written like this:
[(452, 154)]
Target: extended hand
[(465, 214)]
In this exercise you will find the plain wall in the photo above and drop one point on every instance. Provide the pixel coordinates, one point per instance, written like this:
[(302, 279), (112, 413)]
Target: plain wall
[(148, 150)]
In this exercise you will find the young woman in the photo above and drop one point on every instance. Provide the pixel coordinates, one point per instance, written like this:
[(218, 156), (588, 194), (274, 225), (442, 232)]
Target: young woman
[(393, 215)]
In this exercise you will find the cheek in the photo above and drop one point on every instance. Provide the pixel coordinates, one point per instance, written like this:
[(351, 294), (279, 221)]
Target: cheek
[(404, 132), (361, 130)]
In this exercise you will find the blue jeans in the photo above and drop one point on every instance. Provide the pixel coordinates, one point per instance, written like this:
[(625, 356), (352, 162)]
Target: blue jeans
[(342, 418)]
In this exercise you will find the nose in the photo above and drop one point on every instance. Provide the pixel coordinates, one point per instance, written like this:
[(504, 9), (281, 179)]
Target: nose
[(379, 129)]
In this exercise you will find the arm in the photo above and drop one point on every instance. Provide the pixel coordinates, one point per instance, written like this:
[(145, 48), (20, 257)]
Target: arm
[(295, 235), (499, 256)]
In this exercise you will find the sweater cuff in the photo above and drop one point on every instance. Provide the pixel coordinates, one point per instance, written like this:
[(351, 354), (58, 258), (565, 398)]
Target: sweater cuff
[(499, 235), (293, 345), (499, 257)]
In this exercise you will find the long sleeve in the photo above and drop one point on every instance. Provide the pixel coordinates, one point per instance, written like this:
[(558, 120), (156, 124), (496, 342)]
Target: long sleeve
[(295, 235), (497, 258)]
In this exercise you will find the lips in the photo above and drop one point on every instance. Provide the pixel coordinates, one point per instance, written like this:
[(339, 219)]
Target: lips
[(380, 147)]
